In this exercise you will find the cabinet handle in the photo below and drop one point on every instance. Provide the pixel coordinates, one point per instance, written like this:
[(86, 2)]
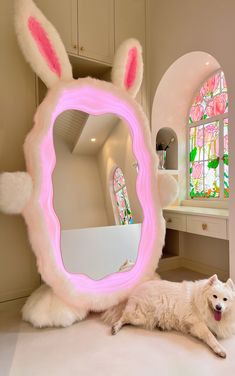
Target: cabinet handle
[(82, 48), (204, 226), (74, 46), (169, 220)]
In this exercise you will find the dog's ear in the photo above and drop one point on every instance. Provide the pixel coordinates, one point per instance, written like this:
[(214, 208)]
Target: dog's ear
[(230, 284), (212, 280)]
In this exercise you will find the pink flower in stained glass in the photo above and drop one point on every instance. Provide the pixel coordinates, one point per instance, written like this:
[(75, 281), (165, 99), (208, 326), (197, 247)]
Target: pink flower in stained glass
[(199, 139), (123, 204), (196, 112), (118, 179), (210, 85), (121, 181), (211, 132), (217, 105), (223, 82), (197, 170), (122, 215), (198, 99)]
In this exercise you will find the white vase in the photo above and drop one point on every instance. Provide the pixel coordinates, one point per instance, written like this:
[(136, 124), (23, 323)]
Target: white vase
[(162, 159)]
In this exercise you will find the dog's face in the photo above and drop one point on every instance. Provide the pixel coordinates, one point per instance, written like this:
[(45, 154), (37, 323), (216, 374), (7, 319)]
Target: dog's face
[(220, 296)]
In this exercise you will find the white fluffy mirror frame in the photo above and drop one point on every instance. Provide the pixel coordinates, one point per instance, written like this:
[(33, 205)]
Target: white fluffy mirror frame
[(31, 192)]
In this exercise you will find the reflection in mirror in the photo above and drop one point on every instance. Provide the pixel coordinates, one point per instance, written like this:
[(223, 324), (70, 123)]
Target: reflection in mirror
[(95, 198)]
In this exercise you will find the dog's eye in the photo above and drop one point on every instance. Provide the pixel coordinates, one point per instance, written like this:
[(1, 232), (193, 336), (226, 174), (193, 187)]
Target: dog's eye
[(215, 296), (225, 299)]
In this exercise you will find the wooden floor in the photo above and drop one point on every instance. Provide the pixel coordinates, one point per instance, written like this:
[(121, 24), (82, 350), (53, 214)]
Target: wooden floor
[(181, 274)]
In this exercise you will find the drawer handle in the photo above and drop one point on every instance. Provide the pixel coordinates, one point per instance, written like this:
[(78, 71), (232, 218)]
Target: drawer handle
[(169, 220), (82, 48), (204, 226)]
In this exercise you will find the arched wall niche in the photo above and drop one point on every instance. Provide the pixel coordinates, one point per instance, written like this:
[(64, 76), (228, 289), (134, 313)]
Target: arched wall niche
[(165, 136), (173, 99)]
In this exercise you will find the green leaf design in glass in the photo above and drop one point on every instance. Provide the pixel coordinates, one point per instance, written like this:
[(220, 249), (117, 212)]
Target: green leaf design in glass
[(193, 154), (214, 163), (225, 159)]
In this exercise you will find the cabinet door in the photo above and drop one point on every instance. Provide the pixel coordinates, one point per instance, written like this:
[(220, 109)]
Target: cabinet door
[(63, 15), (130, 22), (96, 29)]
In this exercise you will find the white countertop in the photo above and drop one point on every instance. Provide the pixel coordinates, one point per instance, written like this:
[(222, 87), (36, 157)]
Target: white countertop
[(192, 210)]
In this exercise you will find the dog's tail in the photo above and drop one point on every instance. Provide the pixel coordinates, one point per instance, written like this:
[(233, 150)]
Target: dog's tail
[(114, 313)]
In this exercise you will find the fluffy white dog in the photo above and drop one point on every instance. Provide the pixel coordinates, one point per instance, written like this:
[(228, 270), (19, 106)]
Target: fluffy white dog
[(204, 309)]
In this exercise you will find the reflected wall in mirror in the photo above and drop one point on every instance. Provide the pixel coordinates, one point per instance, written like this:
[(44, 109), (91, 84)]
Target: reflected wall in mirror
[(95, 198)]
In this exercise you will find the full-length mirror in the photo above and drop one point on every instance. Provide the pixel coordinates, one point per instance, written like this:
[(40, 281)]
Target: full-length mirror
[(95, 198)]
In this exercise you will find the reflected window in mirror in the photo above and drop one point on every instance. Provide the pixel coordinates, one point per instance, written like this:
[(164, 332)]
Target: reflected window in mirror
[(121, 198)]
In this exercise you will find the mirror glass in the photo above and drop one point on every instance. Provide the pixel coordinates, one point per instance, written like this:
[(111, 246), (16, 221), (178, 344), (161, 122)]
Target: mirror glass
[(95, 198)]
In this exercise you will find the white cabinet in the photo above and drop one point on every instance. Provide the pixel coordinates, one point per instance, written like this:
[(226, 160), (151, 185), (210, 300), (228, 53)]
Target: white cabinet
[(96, 29), (85, 26), (175, 221), (214, 227), (201, 221), (93, 29), (63, 15)]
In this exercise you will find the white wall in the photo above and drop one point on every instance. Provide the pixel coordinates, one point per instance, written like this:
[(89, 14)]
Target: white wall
[(78, 194), (107, 247), (176, 28), (117, 152), (18, 276)]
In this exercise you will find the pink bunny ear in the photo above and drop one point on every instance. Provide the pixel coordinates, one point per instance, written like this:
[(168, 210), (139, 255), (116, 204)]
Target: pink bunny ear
[(41, 44), (127, 71)]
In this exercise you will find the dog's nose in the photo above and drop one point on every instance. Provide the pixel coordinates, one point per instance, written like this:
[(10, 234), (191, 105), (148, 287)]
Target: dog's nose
[(218, 307)]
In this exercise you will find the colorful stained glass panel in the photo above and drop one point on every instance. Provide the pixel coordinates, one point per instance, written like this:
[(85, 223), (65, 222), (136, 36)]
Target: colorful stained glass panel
[(212, 99), (226, 160), (226, 181), (118, 179), (196, 179), (225, 136), (206, 148), (211, 140), (196, 143), (121, 197), (211, 179)]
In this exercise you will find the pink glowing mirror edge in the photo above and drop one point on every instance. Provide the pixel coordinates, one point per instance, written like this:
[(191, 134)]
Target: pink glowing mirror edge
[(97, 100)]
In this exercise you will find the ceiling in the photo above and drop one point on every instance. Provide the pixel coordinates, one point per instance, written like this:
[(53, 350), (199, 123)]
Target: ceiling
[(77, 129)]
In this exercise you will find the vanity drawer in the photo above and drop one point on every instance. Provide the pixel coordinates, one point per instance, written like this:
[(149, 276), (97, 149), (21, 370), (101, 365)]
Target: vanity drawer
[(214, 227), (175, 221)]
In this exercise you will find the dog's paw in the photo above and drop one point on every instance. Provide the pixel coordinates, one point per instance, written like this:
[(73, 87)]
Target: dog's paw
[(115, 328), (220, 352)]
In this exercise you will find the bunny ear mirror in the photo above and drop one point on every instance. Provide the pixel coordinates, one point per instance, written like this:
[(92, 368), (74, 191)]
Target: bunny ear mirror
[(32, 193)]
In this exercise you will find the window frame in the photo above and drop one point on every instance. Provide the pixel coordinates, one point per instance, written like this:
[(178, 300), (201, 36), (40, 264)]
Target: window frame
[(220, 118)]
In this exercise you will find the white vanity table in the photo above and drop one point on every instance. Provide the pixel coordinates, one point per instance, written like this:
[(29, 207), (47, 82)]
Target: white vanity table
[(196, 239), (202, 221)]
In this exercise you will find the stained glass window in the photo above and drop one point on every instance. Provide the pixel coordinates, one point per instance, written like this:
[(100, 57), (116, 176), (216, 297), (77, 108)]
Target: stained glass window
[(121, 197), (208, 140)]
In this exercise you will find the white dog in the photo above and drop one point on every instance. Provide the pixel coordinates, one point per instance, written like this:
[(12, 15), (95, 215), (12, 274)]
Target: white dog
[(204, 309)]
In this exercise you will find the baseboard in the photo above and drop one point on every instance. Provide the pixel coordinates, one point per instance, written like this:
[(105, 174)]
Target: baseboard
[(181, 262), (16, 294), (204, 268), (12, 305), (169, 263)]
